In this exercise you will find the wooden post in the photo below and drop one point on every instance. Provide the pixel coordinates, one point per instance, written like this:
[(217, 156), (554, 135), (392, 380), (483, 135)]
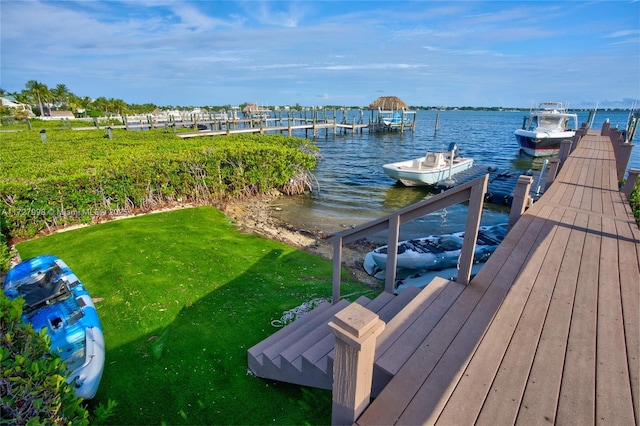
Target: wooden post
[(521, 199), (565, 150), (474, 214), (605, 128), (356, 329), (337, 269), (631, 181), (554, 166), (576, 139), (622, 159), (392, 254)]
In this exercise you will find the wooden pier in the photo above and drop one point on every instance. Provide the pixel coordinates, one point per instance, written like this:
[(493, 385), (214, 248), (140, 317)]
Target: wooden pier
[(272, 126), (219, 124), (547, 332)]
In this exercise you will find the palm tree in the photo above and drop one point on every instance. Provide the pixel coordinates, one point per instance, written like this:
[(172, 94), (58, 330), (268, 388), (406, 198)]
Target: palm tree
[(61, 94), (101, 103), (118, 105), (19, 97), (38, 91)]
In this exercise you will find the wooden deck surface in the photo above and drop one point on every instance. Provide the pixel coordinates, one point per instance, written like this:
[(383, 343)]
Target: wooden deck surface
[(548, 331)]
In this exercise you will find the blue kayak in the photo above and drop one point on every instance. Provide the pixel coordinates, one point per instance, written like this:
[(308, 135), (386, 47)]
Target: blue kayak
[(57, 301)]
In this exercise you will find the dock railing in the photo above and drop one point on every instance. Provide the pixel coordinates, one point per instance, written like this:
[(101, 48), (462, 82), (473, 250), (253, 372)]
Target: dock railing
[(473, 192)]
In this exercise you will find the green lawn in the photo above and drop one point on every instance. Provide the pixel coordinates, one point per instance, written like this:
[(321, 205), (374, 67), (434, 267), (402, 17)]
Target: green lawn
[(182, 295)]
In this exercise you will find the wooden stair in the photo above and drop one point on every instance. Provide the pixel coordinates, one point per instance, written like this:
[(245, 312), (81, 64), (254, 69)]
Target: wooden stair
[(302, 352)]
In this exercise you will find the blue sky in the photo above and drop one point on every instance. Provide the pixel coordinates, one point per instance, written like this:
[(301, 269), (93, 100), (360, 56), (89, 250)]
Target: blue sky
[(313, 53)]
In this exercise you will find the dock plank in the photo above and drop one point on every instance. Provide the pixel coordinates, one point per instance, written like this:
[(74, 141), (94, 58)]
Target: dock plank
[(540, 400), (613, 389), (576, 403)]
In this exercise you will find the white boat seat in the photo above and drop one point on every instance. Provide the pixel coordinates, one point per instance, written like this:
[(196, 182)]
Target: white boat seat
[(431, 160)]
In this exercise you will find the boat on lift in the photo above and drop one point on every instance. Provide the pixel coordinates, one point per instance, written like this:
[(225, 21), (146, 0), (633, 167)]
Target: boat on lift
[(431, 169)]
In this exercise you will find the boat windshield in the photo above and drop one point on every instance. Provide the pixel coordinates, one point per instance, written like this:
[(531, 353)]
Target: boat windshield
[(553, 123)]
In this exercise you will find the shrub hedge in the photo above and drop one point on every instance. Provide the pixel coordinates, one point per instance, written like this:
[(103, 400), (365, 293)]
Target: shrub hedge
[(33, 387), (80, 176)]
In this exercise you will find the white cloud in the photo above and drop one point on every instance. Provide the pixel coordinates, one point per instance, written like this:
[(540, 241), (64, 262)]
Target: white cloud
[(162, 51)]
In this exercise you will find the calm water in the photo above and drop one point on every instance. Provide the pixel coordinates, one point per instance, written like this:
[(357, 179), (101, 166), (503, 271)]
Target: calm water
[(352, 187)]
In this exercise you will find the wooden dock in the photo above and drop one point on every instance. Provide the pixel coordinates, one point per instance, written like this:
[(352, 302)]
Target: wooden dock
[(548, 331), (216, 124), (263, 127)]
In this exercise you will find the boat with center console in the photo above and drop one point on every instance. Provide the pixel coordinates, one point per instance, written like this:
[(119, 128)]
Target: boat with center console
[(434, 167)]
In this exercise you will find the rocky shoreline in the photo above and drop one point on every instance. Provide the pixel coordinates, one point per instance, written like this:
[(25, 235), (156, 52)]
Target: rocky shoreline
[(254, 215)]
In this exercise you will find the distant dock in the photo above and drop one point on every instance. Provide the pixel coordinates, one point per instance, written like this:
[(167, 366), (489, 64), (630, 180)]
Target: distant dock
[(273, 125), (312, 122)]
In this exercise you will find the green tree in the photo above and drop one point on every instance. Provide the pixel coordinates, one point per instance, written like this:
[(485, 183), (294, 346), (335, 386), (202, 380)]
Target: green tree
[(38, 92), (118, 106), (101, 104), (61, 94)]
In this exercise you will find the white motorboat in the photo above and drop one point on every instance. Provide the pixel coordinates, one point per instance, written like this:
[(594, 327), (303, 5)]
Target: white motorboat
[(545, 128), (434, 167)]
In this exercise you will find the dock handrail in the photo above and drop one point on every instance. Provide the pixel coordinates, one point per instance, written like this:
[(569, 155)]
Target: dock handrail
[(472, 191)]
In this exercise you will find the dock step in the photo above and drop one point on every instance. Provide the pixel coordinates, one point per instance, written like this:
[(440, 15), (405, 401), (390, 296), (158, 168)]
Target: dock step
[(303, 352)]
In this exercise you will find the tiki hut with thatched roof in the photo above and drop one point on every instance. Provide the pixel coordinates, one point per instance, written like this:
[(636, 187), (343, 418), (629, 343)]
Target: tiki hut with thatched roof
[(253, 110), (388, 103), (393, 113), (250, 108)]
